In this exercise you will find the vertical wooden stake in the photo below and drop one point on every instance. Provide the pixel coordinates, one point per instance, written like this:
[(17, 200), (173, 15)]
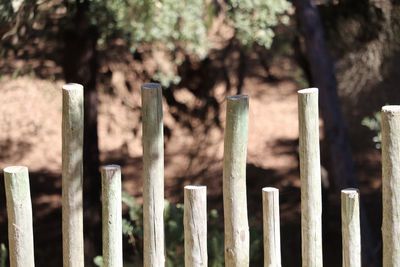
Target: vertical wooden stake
[(234, 182), (391, 185), (195, 225), (72, 143), (310, 175), (351, 237), (271, 225), (112, 216), (19, 211), (153, 175)]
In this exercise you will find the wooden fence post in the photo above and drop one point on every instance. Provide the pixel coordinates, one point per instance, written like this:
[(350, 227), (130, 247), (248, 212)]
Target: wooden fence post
[(310, 175), (195, 225), (72, 143), (234, 182), (271, 227), (391, 185), (351, 237), (112, 215), (19, 211), (153, 175)]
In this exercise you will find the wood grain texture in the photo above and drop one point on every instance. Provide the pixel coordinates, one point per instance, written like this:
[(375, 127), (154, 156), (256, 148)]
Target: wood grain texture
[(271, 227), (391, 185), (72, 176), (112, 215), (310, 176), (19, 212), (153, 175), (351, 237), (234, 182), (195, 226)]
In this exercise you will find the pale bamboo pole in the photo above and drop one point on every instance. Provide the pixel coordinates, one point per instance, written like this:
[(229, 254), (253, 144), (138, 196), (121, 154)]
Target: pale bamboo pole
[(112, 215), (195, 226), (153, 175), (351, 237), (234, 182), (19, 211), (310, 175), (391, 185), (271, 227), (72, 205)]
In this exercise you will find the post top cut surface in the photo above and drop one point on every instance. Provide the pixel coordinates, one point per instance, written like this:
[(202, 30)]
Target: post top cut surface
[(391, 108), (151, 86), (237, 97), (312, 90), (351, 192), (15, 169), (72, 86), (194, 187), (270, 189), (111, 167)]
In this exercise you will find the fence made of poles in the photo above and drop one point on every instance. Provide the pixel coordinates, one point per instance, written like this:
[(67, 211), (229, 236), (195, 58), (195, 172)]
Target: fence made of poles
[(236, 232)]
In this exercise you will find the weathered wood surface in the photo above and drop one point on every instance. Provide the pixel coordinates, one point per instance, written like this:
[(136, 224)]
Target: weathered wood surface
[(351, 237), (234, 182), (195, 226), (153, 175), (391, 185), (72, 178), (19, 212), (310, 175), (112, 215), (271, 227)]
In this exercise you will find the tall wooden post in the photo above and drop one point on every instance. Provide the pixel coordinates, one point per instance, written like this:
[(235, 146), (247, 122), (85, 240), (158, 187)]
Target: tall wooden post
[(310, 175), (72, 143), (234, 182), (391, 185), (153, 175), (19, 212)]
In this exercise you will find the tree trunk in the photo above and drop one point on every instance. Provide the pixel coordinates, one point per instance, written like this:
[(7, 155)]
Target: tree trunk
[(336, 137), (80, 66)]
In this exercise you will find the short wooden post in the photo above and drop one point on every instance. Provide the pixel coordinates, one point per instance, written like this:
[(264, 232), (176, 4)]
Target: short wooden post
[(310, 175), (234, 182), (351, 237), (153, 175), (112, 215), (391, 185), (195, 225), (72, 143), (19, 211), (271, 227)]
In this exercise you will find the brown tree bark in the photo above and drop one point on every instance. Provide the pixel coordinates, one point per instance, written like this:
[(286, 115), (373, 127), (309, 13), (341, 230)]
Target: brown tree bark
[(336, 137), (80, 66)]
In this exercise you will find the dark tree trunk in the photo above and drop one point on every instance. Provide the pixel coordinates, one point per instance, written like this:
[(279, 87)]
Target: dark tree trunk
[(336, 137), (80, 66)]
